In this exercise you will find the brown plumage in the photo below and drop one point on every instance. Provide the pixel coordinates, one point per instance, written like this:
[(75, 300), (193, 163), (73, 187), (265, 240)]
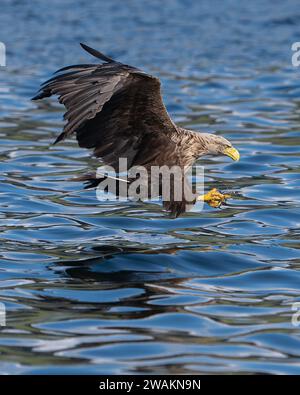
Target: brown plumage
[(117, 110)]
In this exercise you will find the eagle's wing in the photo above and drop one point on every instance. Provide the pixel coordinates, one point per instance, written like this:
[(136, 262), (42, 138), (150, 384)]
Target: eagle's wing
[(115, 109)]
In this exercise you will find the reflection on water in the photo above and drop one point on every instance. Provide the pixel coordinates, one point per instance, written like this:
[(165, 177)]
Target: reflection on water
[(108, 287)]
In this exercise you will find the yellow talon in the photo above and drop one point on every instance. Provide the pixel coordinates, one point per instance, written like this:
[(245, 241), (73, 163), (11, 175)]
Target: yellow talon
[(214, 198)]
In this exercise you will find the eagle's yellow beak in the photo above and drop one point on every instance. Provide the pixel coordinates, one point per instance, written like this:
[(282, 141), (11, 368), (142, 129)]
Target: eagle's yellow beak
[(232, 153)]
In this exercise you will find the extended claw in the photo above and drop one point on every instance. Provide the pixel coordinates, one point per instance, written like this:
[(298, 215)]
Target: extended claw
[(214, 198)]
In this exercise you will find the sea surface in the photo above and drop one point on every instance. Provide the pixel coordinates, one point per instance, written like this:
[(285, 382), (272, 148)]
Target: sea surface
[(93, 287)]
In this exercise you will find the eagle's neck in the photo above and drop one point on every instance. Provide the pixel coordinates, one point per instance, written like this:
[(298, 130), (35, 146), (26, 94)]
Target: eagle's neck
[(192, 145)]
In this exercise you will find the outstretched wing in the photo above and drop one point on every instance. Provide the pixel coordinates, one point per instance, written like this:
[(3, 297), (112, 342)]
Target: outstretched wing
[(115, 109)]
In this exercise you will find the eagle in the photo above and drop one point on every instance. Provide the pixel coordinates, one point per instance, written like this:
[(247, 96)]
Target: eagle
[(117, 110)]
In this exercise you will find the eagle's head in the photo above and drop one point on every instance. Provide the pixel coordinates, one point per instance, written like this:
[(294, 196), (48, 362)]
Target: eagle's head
[(218, 145)]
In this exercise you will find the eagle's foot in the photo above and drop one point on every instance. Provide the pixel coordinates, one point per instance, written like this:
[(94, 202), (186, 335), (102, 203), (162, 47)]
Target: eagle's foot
[(214, 198)]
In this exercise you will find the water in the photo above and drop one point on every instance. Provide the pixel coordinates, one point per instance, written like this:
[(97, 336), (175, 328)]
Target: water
[(93, 287)]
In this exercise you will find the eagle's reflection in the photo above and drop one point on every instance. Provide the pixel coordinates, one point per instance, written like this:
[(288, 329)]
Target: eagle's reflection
[(123, 264)]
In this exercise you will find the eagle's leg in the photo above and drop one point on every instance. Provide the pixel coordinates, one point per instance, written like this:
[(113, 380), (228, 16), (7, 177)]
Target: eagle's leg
[(214, 198)]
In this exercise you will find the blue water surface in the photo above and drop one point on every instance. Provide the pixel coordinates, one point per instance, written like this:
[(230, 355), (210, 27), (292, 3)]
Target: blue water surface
[(95, 287)]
